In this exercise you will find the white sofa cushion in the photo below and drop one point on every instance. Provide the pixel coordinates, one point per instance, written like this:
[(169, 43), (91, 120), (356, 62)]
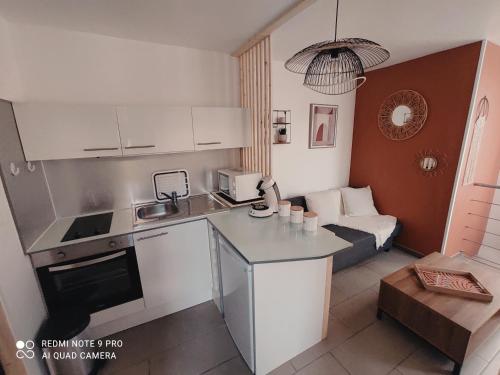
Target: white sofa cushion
[(358, 202), (327, 204)]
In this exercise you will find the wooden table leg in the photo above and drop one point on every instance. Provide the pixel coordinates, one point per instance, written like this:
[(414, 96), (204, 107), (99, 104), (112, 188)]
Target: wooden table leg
[(379, 314), (456, 368)]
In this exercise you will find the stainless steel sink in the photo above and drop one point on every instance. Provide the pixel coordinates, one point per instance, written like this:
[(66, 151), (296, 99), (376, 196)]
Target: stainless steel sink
[(197, 205), (157, 211)]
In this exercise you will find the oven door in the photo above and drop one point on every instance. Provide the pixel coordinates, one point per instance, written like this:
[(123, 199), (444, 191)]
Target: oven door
[(94, 283)]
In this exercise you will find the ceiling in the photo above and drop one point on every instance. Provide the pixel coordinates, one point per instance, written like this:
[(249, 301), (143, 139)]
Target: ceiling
[(219, 25), (407, 28)]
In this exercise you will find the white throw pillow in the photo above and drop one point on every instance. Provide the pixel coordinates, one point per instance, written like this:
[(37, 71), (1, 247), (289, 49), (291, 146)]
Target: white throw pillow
[(358, 202), (327, 204)]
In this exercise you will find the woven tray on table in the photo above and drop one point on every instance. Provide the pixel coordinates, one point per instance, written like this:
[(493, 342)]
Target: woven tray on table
[(454, 282)]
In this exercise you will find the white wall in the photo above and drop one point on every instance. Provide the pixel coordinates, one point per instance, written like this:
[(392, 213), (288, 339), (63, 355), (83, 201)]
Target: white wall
[(19, 291), (9, 85), (57, 65), (296, 168), (67, 66)]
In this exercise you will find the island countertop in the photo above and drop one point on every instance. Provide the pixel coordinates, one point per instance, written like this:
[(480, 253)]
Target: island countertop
[(274, 239)]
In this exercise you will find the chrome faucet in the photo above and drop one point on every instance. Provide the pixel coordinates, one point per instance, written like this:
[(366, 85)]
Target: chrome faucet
[(172, 197)]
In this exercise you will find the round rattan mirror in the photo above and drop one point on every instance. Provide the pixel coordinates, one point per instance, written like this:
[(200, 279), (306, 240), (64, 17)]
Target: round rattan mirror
[(402, 115)]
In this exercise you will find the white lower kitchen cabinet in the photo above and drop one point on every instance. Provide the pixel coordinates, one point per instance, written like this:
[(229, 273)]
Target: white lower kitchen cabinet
[(291, 304), (276, 310), (174, 266)]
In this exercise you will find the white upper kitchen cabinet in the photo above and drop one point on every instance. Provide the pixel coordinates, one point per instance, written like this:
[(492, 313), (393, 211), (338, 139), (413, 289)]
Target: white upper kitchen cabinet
[(155, 129), (67, 131), (221, 127), (174, 266)]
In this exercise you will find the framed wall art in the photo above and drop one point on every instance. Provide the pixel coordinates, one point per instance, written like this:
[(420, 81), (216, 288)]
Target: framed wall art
[(322, 125)]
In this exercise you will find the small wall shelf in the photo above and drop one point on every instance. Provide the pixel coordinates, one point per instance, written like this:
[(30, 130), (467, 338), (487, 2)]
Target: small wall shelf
[(282, 119)]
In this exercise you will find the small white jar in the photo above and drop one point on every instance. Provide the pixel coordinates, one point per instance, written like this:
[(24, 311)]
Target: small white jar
[(284, 208), (310, 221), (296, 214)]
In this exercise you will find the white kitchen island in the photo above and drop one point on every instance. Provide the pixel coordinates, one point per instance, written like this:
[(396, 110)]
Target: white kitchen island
[(275, 280)]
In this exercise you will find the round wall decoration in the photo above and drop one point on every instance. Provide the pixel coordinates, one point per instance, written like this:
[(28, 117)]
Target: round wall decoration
[(402, 115), (431, 163)]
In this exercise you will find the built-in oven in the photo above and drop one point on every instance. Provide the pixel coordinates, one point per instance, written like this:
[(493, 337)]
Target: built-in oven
[(93, 275)]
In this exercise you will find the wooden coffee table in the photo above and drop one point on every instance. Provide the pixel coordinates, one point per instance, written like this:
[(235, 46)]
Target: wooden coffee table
[(455, 326)]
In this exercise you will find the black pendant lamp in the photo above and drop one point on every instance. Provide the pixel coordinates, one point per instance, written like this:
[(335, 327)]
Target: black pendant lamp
[(338, 66)]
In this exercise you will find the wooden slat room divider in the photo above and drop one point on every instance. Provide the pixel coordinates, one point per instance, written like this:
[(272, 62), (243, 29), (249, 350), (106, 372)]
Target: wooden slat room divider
[(255, 93)]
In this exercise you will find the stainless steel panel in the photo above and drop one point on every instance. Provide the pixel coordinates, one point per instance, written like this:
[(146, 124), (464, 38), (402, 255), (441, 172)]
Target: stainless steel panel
[(28, 194), (82, 186), (80, 250)]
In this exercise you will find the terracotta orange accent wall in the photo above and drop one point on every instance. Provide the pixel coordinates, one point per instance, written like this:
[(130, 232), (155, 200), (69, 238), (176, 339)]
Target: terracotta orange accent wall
[(446, 81), (465, 231)]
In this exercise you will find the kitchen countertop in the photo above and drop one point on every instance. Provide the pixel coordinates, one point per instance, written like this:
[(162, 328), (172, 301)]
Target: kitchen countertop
[(274, 239), (194, 208), (258, 240)]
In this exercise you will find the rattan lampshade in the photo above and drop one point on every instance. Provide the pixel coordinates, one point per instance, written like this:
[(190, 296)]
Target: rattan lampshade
[(338, 66)]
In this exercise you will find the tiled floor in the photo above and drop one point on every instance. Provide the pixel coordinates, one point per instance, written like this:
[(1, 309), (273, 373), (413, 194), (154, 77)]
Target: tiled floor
[(196, 341)]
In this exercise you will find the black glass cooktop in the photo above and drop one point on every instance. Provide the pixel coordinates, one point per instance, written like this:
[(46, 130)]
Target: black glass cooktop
[(89, 226)]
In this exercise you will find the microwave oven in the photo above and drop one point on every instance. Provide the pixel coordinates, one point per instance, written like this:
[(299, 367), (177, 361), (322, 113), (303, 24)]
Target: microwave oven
[(239, 185)]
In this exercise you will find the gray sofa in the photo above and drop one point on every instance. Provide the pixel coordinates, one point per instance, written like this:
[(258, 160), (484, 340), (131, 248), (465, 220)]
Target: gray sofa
[(363, 243)]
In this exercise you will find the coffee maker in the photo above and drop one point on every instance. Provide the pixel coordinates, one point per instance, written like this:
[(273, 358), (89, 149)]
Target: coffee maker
[(267, 187)]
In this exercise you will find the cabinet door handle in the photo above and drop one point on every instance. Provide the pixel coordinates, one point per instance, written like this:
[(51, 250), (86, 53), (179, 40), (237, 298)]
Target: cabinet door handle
[(145, 146), (101, 149), (152, 236), (208, 143)]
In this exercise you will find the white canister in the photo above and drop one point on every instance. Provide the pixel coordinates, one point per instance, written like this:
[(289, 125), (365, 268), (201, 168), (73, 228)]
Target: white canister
[(296, 214), (311, 221), (284, 208)]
